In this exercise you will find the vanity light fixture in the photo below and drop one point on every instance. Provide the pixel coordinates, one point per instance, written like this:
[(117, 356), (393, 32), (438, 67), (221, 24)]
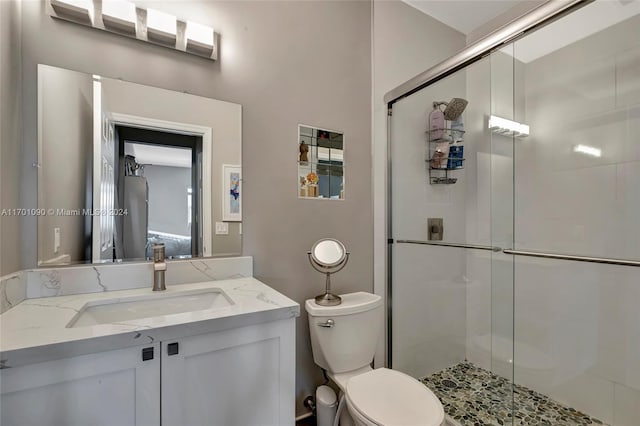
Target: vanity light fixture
[(200, 38), (161, 26), (76, 10), (508, 127), (588, 150), (128, 19), (119, 15)]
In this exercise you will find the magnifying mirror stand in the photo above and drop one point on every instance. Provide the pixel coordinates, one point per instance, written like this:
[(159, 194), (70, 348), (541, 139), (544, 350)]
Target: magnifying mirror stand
[(328, 298)]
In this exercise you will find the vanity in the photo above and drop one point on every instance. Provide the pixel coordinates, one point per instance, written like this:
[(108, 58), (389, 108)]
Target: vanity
[(214, 352)]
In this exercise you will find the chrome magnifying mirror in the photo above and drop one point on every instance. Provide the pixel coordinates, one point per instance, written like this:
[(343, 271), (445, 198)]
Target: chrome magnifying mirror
[(328, 256)]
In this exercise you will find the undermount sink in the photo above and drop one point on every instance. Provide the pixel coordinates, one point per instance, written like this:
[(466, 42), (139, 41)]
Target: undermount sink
[(119, 310)]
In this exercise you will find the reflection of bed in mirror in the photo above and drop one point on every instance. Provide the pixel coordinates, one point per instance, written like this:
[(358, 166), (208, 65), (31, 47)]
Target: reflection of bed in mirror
[(80, 118), (175, 246)]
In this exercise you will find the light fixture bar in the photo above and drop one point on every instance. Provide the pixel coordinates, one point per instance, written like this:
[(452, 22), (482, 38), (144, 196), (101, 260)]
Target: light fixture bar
[(504, 126), (129, 19), (588, 150)]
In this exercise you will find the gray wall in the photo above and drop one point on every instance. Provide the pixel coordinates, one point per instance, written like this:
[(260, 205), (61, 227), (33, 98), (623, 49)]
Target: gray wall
[(168, 198), (265, 65), (66, 155), (10, 134)]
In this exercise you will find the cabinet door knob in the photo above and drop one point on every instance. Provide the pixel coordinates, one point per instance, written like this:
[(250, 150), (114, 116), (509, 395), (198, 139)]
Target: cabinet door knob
[(147, 354), (172, 348)]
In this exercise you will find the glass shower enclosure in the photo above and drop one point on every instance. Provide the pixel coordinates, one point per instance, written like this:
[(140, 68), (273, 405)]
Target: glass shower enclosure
[(514, 230)]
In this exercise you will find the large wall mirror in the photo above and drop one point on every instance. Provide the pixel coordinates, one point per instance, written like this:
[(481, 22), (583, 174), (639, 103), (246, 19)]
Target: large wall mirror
[(122, 166)]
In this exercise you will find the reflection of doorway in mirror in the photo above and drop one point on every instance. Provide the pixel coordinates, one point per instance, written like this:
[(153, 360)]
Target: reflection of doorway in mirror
[(158, 169)]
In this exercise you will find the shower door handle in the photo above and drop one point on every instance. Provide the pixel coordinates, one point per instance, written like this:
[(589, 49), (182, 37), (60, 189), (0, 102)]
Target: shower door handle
[(327, 324)]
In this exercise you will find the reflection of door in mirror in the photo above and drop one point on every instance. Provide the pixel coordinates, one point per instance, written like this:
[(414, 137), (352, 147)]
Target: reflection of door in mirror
[(320, 163), (158, 188)]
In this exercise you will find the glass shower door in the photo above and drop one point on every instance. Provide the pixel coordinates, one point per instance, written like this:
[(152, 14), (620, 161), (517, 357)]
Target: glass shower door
[(577, 180), (526, 312), (452, 299)]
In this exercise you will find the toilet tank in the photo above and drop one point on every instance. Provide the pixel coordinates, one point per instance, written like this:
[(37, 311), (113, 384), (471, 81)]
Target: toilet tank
[(351, 341)]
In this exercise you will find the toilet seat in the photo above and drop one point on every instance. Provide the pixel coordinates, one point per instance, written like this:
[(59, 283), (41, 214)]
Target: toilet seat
[(386, 397)]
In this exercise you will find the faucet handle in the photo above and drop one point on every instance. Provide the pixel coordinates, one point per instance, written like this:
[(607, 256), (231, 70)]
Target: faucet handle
[(158, 252)]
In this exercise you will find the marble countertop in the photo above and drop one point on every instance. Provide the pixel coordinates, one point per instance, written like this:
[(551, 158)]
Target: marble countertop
[(36, 329)]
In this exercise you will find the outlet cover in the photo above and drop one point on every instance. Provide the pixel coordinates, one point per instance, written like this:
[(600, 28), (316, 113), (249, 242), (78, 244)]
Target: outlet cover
[(222, 228)]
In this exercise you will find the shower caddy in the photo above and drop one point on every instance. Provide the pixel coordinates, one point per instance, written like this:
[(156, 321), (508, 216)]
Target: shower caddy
[(442, 175)]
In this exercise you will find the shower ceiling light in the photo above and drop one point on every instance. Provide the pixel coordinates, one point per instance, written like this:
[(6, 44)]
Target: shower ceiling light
[(119, 15), (507, 127), (78, 10), (588, 150)]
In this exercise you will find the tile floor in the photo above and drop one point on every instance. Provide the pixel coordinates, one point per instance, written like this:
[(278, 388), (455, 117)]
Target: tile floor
[(476, 397)]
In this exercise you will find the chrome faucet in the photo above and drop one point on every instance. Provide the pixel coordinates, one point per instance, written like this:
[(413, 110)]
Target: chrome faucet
[(159, 267)]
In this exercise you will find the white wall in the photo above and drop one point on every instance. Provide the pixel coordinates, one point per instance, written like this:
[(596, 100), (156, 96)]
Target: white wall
[(405, 43), (168, 210), (66, 153), (265, 66), (10, 134)]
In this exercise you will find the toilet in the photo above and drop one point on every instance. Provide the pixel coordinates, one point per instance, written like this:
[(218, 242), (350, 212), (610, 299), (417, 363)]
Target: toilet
[(344, 339)]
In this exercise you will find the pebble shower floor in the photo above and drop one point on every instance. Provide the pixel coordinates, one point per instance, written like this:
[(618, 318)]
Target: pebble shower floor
[(476, 397)]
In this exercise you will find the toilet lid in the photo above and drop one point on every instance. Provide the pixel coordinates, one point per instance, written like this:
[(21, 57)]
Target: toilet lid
[(392, 398)]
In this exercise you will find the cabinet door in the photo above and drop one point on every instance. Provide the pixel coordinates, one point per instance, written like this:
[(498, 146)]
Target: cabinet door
[(105, 389), (239, 377)]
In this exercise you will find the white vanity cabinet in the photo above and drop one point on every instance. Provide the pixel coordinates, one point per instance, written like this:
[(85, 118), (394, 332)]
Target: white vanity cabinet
[(239, 377), (243, 376), (105, 389)]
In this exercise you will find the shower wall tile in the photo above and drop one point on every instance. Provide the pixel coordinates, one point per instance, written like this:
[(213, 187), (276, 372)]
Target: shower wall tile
[(429, 326), (626, 406), (628, 84), (478, 305), (618, 326), (590, 394), (576, 331), (627, 207)]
